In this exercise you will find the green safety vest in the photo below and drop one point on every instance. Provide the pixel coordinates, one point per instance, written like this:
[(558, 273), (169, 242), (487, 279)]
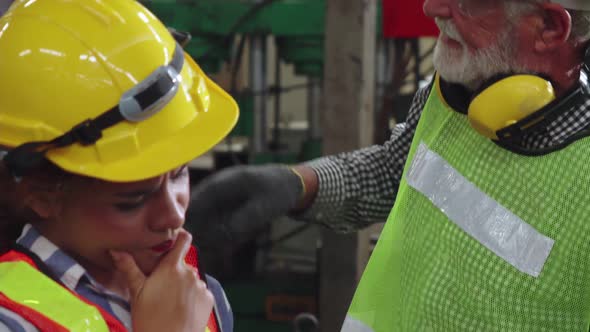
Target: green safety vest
[(43, 302), (480, 238), (51, 307)]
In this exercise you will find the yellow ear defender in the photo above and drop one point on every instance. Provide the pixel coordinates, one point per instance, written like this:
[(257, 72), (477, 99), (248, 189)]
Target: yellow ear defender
[(507, 102), (512, 106)]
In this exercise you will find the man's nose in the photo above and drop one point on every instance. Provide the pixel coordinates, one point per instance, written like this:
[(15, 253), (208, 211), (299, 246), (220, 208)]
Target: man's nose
[(438, 8)]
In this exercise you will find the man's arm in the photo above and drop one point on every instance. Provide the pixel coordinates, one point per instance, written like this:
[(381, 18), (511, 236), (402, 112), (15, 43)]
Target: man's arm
[(344, 192), (353, 190)]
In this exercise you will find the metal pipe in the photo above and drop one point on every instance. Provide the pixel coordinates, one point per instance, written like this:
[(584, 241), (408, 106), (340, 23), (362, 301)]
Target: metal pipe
[(258, 85), (314, 92), (417, 74), (381, 74), (276, 134)]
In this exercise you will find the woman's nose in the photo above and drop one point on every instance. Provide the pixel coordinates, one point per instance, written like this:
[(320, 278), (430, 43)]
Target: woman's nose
[(169, 213)]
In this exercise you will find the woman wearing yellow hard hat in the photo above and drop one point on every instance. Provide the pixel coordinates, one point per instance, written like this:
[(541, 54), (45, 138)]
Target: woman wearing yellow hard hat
[(100, 111)]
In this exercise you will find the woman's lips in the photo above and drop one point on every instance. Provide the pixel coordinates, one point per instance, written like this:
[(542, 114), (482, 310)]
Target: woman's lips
[(163, 247)]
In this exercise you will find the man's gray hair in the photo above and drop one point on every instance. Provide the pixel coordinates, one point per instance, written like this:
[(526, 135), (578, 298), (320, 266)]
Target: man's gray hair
[(580, 18)]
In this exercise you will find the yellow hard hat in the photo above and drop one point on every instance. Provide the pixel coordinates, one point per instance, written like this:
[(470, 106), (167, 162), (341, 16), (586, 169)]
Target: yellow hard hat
[(100, 88)]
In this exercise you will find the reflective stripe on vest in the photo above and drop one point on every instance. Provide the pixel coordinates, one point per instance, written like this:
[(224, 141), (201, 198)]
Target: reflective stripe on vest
[(352, 324), (26, 286), (479, 215)]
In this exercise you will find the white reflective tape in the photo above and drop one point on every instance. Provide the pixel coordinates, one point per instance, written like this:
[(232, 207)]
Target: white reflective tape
[(354, 325), (479, 215)]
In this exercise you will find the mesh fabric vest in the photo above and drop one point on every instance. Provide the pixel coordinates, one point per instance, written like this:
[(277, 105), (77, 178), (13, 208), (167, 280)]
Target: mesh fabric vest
[(427, 274)]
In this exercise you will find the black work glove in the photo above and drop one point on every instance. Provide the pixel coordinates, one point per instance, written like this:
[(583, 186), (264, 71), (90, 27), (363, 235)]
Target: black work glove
[(237, 203)]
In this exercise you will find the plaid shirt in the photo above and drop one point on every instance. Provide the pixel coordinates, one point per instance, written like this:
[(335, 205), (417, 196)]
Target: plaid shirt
[(358, 188), (75, 277)]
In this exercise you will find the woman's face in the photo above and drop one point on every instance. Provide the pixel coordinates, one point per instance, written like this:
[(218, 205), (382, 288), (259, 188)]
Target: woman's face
[(142, 218)]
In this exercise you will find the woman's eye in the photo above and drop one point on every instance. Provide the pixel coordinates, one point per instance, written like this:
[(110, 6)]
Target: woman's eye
[(126, 207)]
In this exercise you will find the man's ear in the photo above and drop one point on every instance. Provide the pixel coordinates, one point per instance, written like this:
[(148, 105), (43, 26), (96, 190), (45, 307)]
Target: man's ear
[(556, 27)]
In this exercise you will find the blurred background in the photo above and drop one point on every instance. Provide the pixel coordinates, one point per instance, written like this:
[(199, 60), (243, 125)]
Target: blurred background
[(311, 77)]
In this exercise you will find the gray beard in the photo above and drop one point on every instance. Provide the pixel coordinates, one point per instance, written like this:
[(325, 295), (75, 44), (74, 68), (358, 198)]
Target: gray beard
[(471, 70)]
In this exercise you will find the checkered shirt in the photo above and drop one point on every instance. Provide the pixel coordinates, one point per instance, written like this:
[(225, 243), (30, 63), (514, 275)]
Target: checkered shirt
[(358, 188)]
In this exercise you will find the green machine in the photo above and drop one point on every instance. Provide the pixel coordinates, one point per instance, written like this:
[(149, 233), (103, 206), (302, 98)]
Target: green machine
[(219, 30), (297, 27)]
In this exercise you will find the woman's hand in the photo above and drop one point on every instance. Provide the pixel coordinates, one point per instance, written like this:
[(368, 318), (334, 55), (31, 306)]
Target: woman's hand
[(172, 298)]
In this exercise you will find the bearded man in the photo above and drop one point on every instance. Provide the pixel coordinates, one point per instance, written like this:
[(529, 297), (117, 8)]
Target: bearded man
[(490, 177)]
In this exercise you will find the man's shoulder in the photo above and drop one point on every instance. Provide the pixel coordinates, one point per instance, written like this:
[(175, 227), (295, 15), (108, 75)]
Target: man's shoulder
[(424, 91), (418, 102)]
